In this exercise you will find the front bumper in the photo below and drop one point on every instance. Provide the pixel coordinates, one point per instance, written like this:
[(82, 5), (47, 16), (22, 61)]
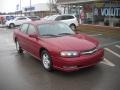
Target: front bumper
[(76, 63)]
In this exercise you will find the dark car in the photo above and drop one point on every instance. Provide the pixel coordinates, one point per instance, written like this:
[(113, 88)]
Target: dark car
[(34, 18), (57, 45)]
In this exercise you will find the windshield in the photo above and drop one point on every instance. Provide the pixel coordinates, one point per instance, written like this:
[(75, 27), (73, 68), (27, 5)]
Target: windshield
[(54, 29)]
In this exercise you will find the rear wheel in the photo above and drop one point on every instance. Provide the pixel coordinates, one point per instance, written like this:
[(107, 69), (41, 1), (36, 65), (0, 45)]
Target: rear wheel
[(73, 27), (46, 60), (18, 48)]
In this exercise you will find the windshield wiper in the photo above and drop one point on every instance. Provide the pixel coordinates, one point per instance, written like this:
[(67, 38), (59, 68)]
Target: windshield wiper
[(65, 34), (50, 35)]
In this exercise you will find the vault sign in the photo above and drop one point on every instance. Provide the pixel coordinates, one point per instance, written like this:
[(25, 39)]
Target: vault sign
[(107, 11)]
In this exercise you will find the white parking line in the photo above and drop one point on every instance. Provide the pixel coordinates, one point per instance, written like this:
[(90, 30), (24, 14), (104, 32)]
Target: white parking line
[(96, 35), (109, 50), (110, 44), (9, 42), (107, 62), (117, 46)]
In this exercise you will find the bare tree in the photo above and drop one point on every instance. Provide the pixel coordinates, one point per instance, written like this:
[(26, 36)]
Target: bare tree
[(50, 6), (53, 6)]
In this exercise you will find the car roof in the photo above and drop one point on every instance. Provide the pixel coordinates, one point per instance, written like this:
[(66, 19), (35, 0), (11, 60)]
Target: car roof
[(52, 17), (39, 22)]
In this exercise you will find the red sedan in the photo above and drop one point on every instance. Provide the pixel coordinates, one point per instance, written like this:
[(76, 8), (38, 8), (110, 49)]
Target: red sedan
[(57, 46)]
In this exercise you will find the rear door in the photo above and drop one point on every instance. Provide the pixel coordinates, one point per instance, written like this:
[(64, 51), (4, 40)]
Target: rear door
[(32, 43), (22, 36)]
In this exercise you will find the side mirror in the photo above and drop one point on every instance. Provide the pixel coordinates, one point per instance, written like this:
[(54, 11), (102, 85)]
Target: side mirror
[(33, 36)]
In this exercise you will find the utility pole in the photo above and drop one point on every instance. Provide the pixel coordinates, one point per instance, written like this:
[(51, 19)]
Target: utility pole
[(110, 18), (52, 3), (30, 7), (50, 6), (20, 9), (20, 5)]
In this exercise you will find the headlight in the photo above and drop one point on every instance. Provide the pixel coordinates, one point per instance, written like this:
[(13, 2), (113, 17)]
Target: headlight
[(69, 54)]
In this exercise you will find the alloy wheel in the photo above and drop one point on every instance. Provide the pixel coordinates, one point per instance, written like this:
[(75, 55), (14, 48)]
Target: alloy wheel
[(46, 61)]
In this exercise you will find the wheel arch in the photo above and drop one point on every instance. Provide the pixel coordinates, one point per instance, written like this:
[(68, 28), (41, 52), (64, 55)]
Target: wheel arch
[(11, 23), (40, 51), (72, 24)]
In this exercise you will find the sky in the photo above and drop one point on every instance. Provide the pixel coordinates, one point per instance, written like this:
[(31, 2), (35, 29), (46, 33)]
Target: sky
[(10, 5)]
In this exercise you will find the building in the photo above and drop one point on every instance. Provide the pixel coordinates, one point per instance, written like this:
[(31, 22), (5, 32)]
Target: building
[(105, 12), (41, 9)]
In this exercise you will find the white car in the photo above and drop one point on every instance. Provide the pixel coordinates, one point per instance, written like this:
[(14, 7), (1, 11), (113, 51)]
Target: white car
[(17, 21), (70, 20)]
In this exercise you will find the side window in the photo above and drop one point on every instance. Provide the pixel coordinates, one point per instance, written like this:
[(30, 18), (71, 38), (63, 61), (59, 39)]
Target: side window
[(69, 17), (21, 18), (31, 29), (66, 17), (24, 28), (62, 17), (58, 18)]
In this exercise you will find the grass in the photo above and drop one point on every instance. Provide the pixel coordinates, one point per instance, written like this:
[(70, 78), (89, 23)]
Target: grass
[(106, 31)]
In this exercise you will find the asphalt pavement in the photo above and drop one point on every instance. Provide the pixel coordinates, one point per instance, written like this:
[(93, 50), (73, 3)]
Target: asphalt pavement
[(24, 72)]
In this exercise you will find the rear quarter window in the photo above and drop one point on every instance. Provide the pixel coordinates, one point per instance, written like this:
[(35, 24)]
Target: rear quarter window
[(69, 17)]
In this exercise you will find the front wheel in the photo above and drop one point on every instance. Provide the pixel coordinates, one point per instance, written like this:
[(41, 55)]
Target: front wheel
[(12, 25), (18, 48), (46, 60)]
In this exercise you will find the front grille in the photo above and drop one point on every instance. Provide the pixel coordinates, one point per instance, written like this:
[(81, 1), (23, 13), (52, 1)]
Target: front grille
[(87, 52)]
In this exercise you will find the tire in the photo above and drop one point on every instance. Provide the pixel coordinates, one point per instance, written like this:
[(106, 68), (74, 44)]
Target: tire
[(73, 27), (12, 25), (18, 48), (46, 61)]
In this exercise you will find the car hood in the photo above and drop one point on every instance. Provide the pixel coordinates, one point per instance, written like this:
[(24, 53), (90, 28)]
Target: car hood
[(72, 42)]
